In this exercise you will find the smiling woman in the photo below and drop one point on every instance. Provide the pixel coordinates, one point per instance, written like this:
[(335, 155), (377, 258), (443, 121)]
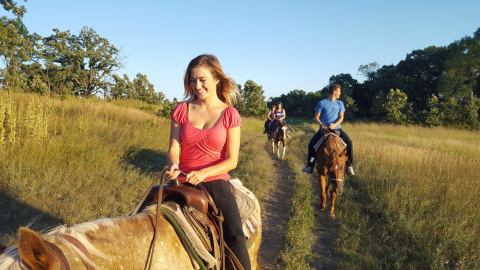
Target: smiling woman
[(205, 143)]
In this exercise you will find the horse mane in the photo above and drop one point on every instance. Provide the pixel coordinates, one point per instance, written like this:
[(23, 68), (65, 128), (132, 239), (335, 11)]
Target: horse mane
[(10, 258), (334, 144)]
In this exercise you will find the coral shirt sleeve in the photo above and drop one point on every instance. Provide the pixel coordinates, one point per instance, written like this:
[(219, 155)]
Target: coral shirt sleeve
[(232, 118), (180, 113)]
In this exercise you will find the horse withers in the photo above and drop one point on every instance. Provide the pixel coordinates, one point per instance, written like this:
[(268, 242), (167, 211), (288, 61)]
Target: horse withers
[(278, 135), (331, 158)]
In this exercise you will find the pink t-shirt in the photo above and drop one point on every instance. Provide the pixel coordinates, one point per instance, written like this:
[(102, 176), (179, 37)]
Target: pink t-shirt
[(201, 148)]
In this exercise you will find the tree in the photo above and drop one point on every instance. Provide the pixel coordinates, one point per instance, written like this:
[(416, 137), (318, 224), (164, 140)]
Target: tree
[(396, 107), (10, 5), (16, 48), (434, 115), (369, 70), (253, 100), (145, 91), (83, 63), (122, 87)]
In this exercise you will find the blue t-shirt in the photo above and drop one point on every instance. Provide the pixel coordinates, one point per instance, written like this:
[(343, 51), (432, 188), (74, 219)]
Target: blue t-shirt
[(329, 111)]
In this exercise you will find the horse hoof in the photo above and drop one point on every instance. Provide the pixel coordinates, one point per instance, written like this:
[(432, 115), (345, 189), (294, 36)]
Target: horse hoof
[(323, 206), (332, 215)]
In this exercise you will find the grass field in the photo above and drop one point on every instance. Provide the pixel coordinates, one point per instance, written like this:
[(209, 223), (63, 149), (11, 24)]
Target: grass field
[(412, 204)]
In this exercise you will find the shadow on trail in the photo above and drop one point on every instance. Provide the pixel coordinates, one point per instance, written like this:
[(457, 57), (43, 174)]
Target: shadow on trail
[(15, 214), (275, 212)]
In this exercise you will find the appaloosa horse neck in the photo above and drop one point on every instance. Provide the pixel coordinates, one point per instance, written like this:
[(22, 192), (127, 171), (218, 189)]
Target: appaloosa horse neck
[(330, 162), (109, 243)]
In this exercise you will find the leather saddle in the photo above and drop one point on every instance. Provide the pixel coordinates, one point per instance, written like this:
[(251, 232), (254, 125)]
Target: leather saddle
[(183, 194)]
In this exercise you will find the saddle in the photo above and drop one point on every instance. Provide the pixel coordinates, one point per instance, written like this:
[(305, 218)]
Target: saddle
[(197, 221), (325, 136)]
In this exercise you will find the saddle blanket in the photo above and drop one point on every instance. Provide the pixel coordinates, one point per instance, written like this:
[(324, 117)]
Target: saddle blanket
[(324, 137), (249, 212)]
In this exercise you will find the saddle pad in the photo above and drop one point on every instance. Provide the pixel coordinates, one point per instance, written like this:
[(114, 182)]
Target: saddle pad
[(174, 211), (248, 206), (324, 137)]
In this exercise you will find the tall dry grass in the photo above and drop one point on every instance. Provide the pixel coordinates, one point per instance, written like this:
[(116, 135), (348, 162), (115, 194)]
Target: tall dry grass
[(413, 202), (74, 160)]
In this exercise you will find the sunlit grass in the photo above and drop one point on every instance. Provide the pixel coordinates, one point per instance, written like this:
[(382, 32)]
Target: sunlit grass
[(414, 195)]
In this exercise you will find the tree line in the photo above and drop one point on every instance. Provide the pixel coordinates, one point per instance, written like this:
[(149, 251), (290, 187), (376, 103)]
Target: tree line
[(432, 86)]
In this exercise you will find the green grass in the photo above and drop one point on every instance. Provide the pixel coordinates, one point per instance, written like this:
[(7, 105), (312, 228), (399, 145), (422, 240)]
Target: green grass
[(299, 236), (94, 160), (412, 203)]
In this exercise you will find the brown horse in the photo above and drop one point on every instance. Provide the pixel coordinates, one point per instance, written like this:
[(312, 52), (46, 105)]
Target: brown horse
[(330, 160), (108, 243)]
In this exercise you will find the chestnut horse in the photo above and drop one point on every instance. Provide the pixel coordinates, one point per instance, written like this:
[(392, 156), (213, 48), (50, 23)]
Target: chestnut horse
[(330, 161), (108, 243)]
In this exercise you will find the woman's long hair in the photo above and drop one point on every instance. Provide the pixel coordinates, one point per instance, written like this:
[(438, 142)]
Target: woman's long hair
[(227, 90)]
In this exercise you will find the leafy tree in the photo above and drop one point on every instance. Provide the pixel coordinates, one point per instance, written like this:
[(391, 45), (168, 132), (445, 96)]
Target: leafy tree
[(16, 49), (369, 70), (81, 64), (397, 109), (145, 91), (122, 87), (10, 5), (253, 100), (434, 116)]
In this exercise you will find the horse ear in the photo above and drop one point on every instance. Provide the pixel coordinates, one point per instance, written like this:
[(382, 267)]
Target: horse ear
[(325, 152), (33, 250)]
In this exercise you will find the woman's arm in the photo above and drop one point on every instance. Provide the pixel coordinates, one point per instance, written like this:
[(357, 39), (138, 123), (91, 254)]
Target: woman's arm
[(230, 162), (173, 155), (284, 115)]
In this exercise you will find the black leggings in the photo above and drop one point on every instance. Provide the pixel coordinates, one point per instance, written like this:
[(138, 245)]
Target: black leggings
[(222, 194), (318, 135)]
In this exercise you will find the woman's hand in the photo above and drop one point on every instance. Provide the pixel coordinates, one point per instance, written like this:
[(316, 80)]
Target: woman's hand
[(172, 171), (195, 177), (332, 126)]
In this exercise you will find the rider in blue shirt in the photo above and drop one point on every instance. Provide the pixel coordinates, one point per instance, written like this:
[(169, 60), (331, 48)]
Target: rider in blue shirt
[(329, 114)]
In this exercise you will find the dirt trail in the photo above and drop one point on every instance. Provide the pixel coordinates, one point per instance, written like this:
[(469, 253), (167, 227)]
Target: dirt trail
[(275, 213), (326, 229)]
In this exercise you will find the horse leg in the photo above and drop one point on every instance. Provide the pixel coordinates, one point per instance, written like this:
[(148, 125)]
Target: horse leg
[(333, 195), (278, 149), (273, 146), (323, 195), (284, 148)]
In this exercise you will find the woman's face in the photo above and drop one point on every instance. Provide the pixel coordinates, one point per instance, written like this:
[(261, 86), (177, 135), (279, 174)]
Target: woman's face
[(202, 82), (279, 107)]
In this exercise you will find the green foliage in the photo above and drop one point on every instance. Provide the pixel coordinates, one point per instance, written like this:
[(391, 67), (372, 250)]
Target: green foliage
[(253, 100), (10, 5), (16, 48), (397, 109), (434, 116)]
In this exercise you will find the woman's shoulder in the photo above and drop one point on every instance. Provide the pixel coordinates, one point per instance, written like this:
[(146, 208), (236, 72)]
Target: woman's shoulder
[(180, 112), (231, 117)]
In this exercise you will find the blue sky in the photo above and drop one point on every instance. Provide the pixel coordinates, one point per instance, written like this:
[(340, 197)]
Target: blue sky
[(281, 45)]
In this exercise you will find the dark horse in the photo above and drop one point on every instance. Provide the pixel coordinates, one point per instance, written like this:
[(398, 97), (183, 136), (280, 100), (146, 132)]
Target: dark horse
[(277, 135), (330, 159)]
